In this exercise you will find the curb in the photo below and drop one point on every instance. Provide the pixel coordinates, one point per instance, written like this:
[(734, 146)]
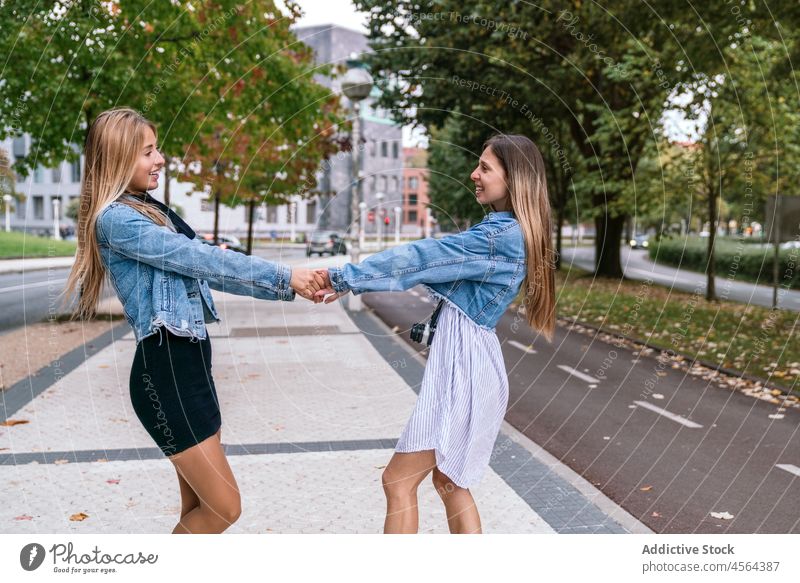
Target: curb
[(691, 359)]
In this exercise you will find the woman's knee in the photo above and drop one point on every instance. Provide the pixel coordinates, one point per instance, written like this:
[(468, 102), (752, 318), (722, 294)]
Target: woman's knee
[(396, 485), (227, 510), (442, 483)]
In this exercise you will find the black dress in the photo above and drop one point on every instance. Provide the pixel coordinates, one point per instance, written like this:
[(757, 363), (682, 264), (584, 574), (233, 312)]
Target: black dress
[(172, 390)]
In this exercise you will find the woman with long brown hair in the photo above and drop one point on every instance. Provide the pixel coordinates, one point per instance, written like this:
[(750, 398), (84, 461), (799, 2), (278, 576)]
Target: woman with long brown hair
[(476, 275), (162, 274)]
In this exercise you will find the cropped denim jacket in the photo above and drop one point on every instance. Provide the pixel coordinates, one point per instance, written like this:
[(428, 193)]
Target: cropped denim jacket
[(480, 270), (163, 278)]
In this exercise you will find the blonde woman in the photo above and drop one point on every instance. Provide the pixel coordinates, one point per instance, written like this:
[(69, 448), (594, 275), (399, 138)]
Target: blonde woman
[(476, 275), (162, 274)]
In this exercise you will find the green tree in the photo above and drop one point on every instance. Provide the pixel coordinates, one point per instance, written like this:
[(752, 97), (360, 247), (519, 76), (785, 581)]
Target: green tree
[(587, 81), (748, 134), (451, 191), (222, 80)]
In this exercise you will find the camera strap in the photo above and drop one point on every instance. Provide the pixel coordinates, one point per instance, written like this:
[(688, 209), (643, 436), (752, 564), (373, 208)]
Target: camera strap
[(435, 315)]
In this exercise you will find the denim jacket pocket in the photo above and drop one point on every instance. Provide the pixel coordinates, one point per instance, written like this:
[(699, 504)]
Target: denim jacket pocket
[(166, 293)]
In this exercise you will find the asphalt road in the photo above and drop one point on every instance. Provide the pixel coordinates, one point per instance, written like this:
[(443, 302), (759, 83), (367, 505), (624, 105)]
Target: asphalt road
[(637, 265), (627, 423), (27, 298)]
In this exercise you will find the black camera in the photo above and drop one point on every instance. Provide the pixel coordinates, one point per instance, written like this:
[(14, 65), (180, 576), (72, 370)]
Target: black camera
[(423, 331)]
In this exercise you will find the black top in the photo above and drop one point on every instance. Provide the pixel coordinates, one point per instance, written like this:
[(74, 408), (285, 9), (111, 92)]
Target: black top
[(180, 225)]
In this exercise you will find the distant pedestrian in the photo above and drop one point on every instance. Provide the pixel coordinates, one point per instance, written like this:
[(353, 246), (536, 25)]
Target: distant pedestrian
[(476, 275), (162, 274)]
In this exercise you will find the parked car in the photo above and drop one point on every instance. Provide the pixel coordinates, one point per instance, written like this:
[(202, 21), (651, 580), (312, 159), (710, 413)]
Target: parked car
[(639, 242), (323, 242), (224, 242)]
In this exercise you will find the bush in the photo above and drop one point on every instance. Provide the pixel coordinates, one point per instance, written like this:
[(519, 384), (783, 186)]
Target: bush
[(740, 260)]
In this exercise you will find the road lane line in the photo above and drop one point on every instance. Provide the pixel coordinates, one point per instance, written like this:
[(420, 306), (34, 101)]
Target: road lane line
[(792, 469), (523, 347), (668, 415), (579, 374), (25, 286)]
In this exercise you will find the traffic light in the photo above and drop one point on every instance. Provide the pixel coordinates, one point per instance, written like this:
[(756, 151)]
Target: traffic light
[(386, 220), (371, 217)]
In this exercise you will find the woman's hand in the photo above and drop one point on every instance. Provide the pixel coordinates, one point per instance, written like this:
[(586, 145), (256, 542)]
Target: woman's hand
[(308, 282), (334, 295)]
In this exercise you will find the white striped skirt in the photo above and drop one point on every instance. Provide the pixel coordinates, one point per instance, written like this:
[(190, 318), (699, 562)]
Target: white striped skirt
[(462, 401)]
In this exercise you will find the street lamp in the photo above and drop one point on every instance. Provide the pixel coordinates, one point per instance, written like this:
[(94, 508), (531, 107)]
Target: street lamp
[(356, 86), (7, 199), (362, 206), (397, 211), (292, 220), (379, 220), (56, 228)]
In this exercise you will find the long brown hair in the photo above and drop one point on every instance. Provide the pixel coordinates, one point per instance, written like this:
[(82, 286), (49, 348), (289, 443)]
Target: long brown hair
[(113, 144), (527, 186)]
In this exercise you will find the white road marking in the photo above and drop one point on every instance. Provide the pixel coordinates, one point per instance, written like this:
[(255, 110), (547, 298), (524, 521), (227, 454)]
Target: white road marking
[(31, 285), (668, 415), (523, 347), (579, 374), (792, 469)]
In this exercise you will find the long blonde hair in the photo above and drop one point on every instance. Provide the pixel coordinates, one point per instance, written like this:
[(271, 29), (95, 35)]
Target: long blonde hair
[(527, 187), (113, 145)]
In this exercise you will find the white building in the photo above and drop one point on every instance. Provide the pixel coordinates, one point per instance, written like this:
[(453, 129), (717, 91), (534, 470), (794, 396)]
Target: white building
[(63, 183)]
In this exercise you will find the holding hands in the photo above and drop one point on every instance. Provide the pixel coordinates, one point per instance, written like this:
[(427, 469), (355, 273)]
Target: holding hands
[(307, 282), (314, 285)]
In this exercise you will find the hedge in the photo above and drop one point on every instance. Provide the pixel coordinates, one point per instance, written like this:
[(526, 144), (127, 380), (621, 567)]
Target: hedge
[(740, 260)]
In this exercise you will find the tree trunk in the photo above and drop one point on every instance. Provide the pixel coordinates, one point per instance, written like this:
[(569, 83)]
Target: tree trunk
[(251, 208), (606, 245), (559, 223), (216, 217), (711, 293)]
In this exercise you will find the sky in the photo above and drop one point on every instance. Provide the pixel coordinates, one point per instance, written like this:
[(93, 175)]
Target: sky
[(341, 12)]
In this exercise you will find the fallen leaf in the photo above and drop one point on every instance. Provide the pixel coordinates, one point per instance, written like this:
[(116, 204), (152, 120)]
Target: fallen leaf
[(656, 515), (379, 467), (722, 515), (79, 517), (646, 488), (12, 422), (23, 517), (61, 462), (112, 481), (102, 366), (101, 460)]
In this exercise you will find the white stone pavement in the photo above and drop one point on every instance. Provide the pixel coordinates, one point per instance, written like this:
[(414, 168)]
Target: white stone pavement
[(324, 383)]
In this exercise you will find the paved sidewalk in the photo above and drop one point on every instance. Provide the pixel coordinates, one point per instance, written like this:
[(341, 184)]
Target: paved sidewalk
[(313, 399)]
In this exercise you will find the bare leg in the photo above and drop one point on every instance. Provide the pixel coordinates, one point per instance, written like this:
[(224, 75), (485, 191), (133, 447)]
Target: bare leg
[(401, 478), (205, 470), (462, 513), (189, 499)]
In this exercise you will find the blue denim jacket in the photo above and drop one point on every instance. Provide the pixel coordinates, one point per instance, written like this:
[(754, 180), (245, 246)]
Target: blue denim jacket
[(480, 270), (162, 277)]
